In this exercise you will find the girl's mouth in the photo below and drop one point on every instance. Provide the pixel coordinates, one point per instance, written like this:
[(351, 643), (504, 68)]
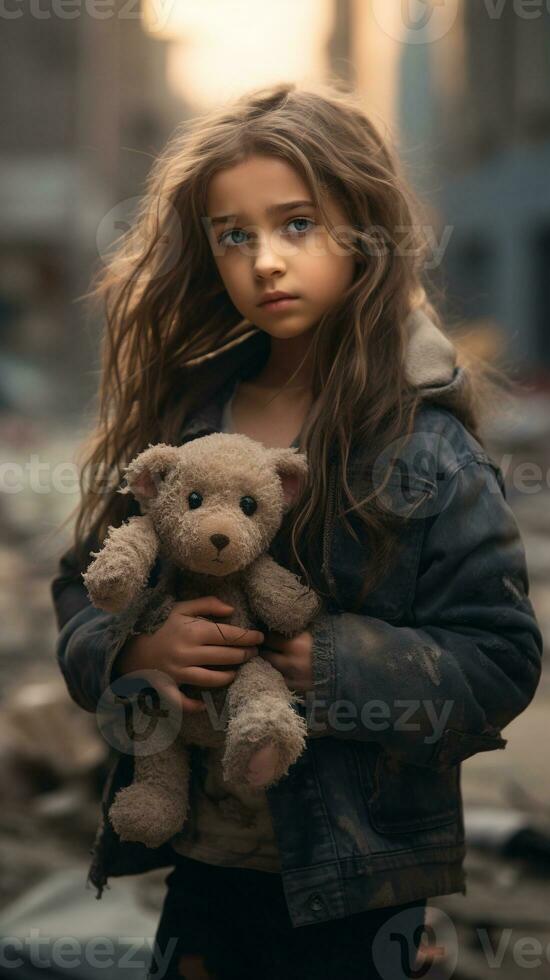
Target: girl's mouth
[(280, 304)]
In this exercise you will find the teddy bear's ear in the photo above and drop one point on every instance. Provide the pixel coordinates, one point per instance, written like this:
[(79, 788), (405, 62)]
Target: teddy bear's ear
[(292, 470), (146, 472)]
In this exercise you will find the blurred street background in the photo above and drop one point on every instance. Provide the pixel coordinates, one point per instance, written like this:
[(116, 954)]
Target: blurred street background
[(92, 90)]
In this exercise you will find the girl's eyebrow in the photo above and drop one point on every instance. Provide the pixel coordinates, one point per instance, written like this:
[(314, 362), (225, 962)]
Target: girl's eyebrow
[(274, 209)]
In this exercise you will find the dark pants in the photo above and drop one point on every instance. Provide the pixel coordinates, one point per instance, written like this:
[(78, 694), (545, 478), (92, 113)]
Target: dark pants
[(237, 920)]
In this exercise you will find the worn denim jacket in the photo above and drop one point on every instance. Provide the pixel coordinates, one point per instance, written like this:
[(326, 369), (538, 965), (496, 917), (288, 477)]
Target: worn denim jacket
[(443, 654)]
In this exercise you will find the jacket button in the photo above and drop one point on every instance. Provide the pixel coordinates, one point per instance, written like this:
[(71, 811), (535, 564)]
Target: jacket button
[(316, 903)]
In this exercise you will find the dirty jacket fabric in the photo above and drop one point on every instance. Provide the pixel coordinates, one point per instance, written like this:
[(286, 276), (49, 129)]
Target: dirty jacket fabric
[(442, 655)]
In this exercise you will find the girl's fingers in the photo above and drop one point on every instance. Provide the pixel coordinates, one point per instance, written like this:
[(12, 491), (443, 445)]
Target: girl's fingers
[(277, 660), (178, 699), (224, 655), (202, 677), (185, 703), (190, 705), (222, 633), (281, 662)]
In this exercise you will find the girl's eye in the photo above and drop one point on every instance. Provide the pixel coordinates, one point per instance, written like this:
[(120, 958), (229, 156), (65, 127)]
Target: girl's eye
[(224, 240), (248, 505), (233, 231), (302, 231), (194, 499)]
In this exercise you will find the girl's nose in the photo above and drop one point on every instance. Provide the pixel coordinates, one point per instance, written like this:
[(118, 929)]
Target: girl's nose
[(267, 260)]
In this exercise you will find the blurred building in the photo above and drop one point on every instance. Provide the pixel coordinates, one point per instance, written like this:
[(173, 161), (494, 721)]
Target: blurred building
[(87, 113), (483, 92)]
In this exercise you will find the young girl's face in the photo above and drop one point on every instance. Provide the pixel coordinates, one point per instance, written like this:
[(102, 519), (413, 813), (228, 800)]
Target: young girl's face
[(268, 243)]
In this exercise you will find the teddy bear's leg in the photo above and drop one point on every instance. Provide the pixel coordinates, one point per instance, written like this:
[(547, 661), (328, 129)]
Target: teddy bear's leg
[(154, 807), (262, 765), (265, 735)]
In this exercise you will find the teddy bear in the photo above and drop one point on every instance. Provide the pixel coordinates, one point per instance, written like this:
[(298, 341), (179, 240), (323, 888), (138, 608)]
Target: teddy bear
[(210, 509)]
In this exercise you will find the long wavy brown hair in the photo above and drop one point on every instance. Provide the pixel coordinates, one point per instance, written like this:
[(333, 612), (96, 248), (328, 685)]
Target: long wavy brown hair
[(172, 336)]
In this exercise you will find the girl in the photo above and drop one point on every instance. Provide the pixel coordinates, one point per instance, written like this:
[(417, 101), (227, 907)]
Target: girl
[(273, 286)]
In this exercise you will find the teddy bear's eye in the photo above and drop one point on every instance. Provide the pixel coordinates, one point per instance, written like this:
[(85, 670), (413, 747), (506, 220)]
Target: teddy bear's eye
[(195, 500), (248, 505)]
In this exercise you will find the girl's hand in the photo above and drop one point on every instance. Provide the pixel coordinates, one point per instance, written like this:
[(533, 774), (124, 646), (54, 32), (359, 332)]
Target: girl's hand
[(293, 658), (185, 648)]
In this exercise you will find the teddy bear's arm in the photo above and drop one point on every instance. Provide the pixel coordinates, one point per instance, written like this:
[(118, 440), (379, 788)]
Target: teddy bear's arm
[(120, 570), (278, 598)]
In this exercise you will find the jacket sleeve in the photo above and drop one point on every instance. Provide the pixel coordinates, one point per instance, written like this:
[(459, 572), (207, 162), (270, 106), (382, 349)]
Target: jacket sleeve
[(441, 689), (89, 639), (67, 589)]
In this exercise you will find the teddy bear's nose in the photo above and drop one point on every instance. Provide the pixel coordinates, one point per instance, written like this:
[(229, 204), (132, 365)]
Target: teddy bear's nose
[(219, 540)]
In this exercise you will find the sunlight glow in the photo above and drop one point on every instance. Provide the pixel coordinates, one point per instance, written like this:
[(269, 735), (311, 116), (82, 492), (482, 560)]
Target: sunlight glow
[(219, 48)]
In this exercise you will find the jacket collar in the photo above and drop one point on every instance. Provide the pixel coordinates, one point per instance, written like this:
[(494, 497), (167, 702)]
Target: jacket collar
[(431, 363), (431, 366)]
